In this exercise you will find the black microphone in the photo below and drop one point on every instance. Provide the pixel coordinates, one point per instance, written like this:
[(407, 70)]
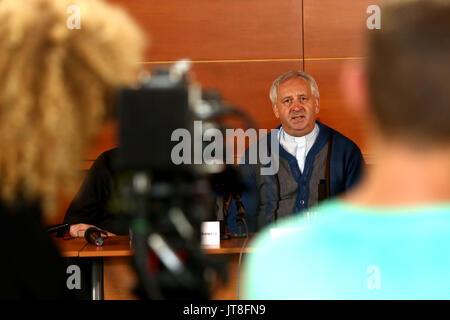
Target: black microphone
[(93, 236), (240, 217), (240, 208), (60, 229)]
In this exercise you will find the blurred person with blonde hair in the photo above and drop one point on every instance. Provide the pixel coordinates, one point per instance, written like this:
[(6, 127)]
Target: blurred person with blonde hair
[(56, 83), (387, 238)]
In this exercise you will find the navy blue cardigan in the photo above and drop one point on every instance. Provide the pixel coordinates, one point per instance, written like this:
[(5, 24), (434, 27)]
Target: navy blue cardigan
[(346, 166)]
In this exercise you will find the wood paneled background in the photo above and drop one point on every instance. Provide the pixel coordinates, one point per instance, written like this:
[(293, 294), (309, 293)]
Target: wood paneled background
[(240, 46)]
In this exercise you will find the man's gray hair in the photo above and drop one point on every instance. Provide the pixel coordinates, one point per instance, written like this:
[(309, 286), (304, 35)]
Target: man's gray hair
[(289, 75)]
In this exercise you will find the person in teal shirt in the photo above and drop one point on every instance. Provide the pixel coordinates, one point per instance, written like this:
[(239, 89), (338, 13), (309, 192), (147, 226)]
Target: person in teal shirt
[(389, 237), (355, 252)]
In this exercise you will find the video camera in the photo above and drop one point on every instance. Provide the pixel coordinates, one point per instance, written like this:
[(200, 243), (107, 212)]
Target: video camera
[(168, 187)]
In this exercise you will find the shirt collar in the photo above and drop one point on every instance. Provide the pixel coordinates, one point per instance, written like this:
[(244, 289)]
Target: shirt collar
[(307, 137)]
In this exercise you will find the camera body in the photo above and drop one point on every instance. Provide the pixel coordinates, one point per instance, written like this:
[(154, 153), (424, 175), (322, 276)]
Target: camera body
[(167, 201)]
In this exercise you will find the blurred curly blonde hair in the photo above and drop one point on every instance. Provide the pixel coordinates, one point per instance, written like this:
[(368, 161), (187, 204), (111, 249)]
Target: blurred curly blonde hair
[(55, 86)]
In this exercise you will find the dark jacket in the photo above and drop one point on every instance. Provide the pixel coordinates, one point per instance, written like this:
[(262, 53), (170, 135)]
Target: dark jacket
[(270, 197), (91, 204)]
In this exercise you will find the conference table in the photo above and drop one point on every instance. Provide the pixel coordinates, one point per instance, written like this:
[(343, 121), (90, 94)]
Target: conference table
[(113, 278)]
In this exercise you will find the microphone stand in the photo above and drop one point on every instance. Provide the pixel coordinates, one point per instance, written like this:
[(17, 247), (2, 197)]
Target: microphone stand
[(223, 218), (240, 219)]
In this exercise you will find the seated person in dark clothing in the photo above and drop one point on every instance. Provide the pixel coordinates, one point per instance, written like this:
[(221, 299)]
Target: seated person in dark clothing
[(91, 205)]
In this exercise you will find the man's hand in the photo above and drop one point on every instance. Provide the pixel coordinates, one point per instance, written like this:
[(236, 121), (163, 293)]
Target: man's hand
[(78, 230)]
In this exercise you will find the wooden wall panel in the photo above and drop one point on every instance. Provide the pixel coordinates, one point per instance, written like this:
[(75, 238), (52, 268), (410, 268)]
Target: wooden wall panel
[(244, 85), (335, 28), (219, 29), (105, 139), (240, 46), (335, 34), (333, 111)]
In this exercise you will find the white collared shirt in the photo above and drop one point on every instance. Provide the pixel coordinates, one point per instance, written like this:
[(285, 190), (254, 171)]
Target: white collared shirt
[(298, 146)]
